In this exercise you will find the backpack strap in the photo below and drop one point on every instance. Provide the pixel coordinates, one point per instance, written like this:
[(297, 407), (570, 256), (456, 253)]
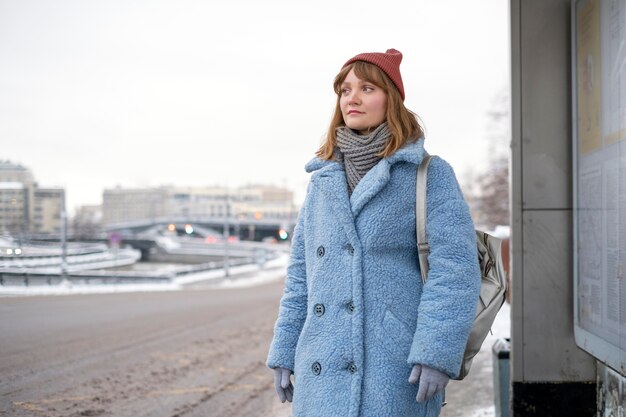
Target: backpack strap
[(423, 248)]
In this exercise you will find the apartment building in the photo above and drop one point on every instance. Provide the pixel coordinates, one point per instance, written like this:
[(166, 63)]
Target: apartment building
[(24, 206), (125, 204)]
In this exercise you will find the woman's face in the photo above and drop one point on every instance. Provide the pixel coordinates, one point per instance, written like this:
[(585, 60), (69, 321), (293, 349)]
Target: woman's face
[(363, 104)]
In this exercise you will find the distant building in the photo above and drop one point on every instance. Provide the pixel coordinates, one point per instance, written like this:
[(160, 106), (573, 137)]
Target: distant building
[(253, 201), (10, 172), (46, 214), (264, 201), (123, 204), (24, 206), (199, 202), (13, 207)]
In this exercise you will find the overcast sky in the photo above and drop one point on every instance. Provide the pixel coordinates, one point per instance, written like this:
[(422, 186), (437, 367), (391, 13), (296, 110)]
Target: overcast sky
[(136, 93)]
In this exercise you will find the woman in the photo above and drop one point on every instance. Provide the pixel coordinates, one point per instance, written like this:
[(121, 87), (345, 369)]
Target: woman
[(360, 333)]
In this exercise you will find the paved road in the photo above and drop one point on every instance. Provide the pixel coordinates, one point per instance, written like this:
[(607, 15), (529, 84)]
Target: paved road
[(191, 353), (198, 352)]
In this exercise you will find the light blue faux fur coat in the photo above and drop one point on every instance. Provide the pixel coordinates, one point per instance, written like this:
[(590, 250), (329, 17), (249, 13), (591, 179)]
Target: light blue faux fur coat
[(354, 316)]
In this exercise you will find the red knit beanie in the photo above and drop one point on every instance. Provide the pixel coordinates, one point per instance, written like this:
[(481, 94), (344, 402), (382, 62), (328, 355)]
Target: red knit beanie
[(389, 62)]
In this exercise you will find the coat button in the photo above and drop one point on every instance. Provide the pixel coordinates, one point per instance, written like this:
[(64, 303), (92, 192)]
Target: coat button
[(350, 307), (319, 310), (317, 368), (350, 249), (352, 368), (320, 251)]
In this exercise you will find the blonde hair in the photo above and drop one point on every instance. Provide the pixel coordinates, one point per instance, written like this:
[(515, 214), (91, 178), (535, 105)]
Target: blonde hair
[(403, 123)]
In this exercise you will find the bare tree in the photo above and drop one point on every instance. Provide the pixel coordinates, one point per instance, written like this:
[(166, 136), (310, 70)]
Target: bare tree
[(487, 191), (87, 223)]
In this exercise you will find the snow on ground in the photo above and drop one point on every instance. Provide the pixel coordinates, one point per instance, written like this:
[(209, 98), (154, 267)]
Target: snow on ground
[(240, 276), (262, 277), (486, 412), (69, 288), (279, 262)]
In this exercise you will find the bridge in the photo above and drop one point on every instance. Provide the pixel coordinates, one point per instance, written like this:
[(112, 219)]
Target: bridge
[(243, 228)]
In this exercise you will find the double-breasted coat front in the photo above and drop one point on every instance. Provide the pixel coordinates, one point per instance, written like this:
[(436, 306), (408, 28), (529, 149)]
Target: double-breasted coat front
[(354, 316)]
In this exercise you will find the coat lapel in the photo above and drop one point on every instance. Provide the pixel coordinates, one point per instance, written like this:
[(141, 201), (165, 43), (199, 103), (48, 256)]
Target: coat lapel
[(370, 185), (331, 180), (377, 177)]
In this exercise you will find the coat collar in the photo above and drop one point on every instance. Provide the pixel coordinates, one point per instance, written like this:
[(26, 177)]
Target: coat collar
[(331, 176)]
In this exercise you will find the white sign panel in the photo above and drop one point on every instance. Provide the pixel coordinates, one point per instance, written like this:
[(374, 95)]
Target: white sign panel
[(599, 125)]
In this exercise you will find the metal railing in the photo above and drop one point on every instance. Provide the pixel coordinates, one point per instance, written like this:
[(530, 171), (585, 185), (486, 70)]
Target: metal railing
[(28, 278)]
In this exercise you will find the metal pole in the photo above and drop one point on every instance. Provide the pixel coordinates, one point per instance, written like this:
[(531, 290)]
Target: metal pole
[(63, 240), (226, 235)]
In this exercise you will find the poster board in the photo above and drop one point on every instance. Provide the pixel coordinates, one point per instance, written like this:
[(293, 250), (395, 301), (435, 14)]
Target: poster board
[(599, 170)]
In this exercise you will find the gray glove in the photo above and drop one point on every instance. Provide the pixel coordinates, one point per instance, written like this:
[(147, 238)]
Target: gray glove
[(282, 382), (430, 381)]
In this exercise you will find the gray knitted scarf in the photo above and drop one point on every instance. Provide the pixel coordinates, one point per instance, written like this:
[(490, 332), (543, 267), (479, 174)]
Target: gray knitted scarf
[(360, 152)]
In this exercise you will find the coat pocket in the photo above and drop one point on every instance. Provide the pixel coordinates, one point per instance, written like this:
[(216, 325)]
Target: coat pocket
[(302, 342), (395, 336)]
